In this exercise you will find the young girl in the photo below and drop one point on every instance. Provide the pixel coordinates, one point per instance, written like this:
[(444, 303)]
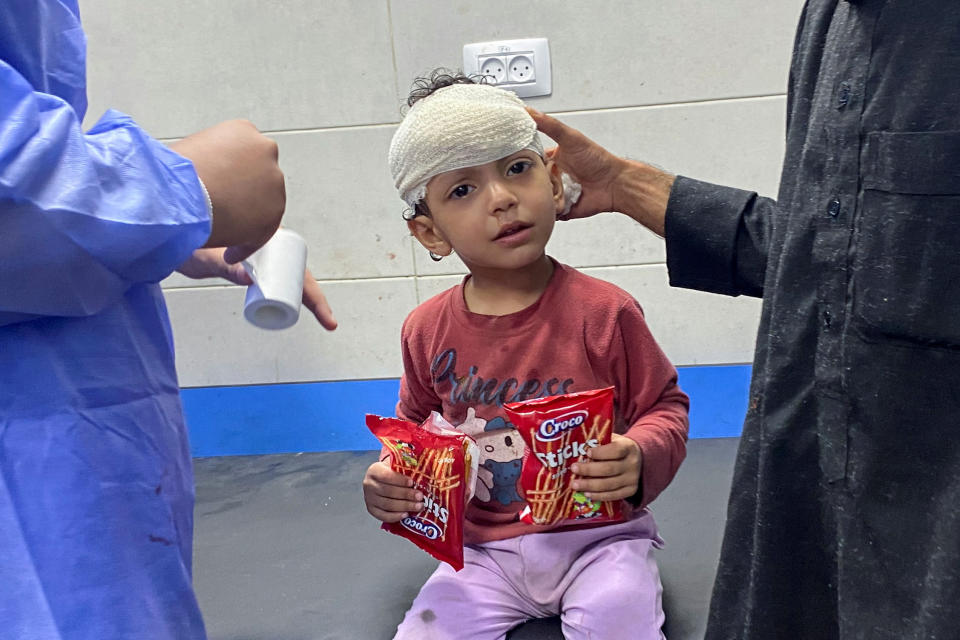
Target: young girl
[(468, 161)]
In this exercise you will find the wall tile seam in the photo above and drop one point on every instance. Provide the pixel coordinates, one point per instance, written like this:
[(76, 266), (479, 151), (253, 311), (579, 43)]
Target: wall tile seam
[(393, 49), (573, 112), (378, 379), (433, 276), (767, 97), (322, 283), (277, 384), (331, 128)]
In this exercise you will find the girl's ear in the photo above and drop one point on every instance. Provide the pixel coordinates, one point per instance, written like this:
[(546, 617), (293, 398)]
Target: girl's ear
[(556, 182), (425, 230)]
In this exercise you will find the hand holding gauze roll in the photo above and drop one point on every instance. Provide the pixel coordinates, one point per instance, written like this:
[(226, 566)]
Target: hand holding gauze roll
[(277, 268)]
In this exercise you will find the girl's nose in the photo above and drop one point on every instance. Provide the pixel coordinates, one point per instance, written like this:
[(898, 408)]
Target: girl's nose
[(502, 197)]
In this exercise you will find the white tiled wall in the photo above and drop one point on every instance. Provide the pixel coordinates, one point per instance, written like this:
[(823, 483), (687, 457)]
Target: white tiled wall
[(216, 346), (695, 87), (180, 65)]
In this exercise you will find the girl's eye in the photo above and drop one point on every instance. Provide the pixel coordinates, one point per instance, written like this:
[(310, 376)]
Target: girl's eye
[(519, 167), (461, 191)]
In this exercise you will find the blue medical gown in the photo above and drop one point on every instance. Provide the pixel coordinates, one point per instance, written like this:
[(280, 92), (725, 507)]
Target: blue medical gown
[(96, 489)]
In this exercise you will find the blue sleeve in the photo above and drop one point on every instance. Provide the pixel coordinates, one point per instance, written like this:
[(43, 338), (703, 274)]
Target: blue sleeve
[(85, 216)]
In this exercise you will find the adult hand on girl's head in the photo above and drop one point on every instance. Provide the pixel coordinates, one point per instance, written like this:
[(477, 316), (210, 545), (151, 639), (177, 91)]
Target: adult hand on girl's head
[(610, 183), (389, 495), (612, 472), (595, 168)]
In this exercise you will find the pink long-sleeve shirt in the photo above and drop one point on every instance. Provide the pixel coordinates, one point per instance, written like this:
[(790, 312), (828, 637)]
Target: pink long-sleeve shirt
[(582, 334)]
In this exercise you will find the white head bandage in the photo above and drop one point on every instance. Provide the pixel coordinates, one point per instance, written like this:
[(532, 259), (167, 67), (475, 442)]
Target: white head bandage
[(463, 125)]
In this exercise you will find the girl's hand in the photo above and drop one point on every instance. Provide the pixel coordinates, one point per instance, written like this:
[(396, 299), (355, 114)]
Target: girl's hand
[(389, 495), (612, 472)]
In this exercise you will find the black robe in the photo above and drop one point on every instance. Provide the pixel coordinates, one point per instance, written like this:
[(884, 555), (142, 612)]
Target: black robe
[(844, 516)]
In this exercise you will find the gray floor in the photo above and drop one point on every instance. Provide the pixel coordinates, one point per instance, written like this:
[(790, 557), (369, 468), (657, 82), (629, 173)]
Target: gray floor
[(285, 550)]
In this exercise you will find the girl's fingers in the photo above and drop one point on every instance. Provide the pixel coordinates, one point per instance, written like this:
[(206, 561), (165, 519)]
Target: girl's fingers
[(394, 492), (608, 496), (381, 473), (616, 450), (598, 469), (603, 485), (395, 505), (386, 516)]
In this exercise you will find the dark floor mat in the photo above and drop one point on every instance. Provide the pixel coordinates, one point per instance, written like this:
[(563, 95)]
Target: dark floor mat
[(285, 550)]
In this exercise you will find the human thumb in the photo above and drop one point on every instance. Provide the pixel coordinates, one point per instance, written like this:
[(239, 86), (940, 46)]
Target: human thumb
[(239, 252)]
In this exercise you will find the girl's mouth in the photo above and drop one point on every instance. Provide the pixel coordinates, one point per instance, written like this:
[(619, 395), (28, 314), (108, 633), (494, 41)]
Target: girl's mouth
[(512, 229)]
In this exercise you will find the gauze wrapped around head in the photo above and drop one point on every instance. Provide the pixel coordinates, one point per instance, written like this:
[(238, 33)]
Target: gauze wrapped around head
[(459, 126)]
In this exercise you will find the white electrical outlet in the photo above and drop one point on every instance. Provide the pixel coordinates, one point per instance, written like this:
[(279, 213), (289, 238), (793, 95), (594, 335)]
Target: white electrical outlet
[(494, 68), (522, 66)]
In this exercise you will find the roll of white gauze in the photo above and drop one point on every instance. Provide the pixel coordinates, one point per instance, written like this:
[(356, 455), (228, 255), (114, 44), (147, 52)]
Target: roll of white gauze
[(273, 300)]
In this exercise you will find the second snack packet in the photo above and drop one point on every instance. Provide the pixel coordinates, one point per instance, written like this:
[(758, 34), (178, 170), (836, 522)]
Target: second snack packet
[(442, 463), (558, 431)]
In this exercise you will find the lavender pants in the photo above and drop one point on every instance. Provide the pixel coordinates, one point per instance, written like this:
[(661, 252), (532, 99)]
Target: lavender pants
[(603, 582)]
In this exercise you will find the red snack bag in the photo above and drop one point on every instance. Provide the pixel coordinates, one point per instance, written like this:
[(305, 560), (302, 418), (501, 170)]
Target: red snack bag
[(558, 431), (443, 465)]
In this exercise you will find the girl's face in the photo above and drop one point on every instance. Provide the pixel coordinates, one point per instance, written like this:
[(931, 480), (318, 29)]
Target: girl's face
[(497, 215)]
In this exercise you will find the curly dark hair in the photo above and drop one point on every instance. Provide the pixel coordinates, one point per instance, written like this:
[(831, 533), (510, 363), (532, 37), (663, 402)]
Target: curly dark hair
[(438, 79)]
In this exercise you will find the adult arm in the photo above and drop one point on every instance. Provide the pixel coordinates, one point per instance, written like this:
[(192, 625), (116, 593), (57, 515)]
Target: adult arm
[(82, 217), (85, 216), (717, 237)]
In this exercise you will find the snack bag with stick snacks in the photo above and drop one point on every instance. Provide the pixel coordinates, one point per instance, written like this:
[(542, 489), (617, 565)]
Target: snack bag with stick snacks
[(443, 465), (558, 431)]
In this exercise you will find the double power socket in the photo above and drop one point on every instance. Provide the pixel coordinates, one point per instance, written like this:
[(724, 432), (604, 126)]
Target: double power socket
[(522, 66)]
